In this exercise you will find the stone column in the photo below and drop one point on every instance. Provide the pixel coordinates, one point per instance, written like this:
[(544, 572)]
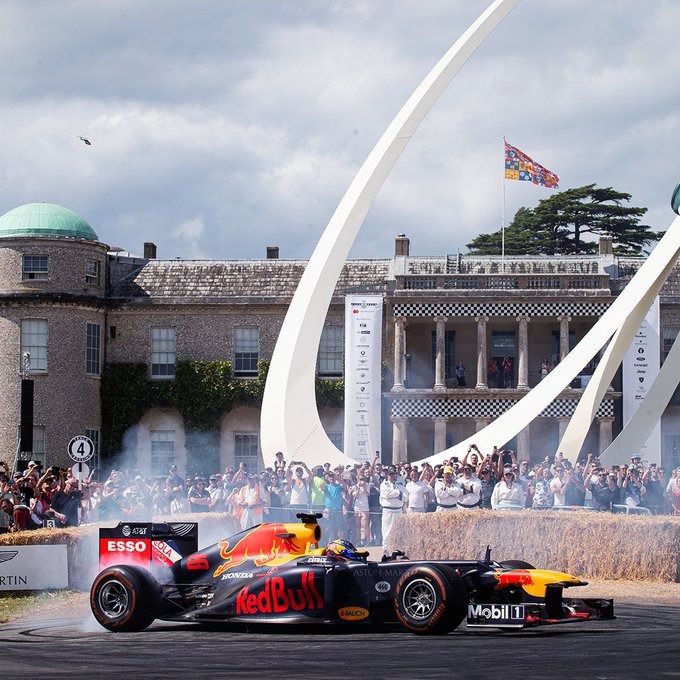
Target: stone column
[(440, 356), (523, 444), (523, 364), (400, 324), (564, 335), (606, 433), (439, 434), (399, 433), (562, 424), (481, 352), (481, 423)]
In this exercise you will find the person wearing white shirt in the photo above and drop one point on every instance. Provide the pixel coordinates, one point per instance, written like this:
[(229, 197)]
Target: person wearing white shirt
[(507, 493), (558, 484), (471, 486), (447, 492), (300, 493), (417, 493), (392, 502)]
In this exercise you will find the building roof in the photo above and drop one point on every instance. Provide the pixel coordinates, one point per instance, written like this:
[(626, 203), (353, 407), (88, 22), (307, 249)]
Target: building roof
[(45, 219), (256, 280)]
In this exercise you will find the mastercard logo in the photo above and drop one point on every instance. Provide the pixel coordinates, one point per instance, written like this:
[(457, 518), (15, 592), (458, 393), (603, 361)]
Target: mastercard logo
[(353, 613)]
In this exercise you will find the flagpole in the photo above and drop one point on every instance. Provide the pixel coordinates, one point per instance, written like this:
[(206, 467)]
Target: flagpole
[(503, 212)]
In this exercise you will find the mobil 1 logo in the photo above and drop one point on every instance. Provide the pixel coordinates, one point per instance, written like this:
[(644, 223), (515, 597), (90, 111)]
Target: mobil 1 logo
[(80, 449), (495, 615)]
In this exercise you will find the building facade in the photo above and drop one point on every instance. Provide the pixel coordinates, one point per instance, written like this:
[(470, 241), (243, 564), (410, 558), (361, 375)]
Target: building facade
[(464, 338)]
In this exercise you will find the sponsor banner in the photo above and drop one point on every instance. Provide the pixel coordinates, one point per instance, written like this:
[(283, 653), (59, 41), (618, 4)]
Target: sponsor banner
[(495, 615), (33, 567), (640, 369), (135, 551), (363, 346)]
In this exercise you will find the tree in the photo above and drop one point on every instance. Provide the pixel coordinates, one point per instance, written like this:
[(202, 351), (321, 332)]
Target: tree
[(558, 224)]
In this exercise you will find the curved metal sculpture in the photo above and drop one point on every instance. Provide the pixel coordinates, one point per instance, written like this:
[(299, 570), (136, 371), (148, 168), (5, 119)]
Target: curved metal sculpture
[(290, 420), (636, 298), (577, 430), (638, 429)]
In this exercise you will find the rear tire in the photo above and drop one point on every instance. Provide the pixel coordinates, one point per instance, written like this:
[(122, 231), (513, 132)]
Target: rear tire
[(430, 600), (125, 598), (516, 564)]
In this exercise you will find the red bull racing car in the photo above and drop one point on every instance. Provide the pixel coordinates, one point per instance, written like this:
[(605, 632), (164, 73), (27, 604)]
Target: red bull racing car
[(277, 573)]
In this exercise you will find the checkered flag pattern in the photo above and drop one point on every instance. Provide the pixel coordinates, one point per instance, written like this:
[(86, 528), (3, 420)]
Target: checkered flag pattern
[(491, 309), (484, 408)]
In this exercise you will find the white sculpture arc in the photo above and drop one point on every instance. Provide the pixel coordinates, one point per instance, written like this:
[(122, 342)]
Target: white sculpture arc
[(633, 298), (579, 424), (638, 429), (290, 420)]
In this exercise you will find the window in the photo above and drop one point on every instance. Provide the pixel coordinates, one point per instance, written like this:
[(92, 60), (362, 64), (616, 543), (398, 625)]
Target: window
[(555, 345), (35, 267), (34, 344), (163, 342), (336, 438), (330, 352), (246, 352), (162, 451), (92, 272), (671, 452), (38, 453), (246, 450), (449, 353), (92, 433), (668, 335), (503, 343), (93, 335)]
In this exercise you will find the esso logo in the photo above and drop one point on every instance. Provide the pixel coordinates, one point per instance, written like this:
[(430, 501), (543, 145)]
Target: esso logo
[(126, 546)]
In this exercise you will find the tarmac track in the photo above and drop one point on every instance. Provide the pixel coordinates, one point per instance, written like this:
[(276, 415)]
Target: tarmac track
[(643, 642)]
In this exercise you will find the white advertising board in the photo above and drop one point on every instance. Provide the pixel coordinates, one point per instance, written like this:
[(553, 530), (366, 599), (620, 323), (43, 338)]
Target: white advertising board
[(363, 348), (33, 567), (640, 369)]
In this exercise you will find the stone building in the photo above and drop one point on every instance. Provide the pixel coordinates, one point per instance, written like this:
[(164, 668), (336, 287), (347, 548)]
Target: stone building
[(74, 305)]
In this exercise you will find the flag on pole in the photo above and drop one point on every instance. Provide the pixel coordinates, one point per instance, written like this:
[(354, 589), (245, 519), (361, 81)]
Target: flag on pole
[(520, 167)]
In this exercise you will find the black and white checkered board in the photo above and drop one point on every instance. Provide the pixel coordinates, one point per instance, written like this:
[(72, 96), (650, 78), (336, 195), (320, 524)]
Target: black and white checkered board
[(495, 309), (484, 408)]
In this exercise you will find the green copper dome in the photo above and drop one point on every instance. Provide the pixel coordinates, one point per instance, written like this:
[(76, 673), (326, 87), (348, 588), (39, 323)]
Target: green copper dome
[(45, 219)]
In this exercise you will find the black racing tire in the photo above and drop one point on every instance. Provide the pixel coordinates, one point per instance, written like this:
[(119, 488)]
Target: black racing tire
[(516, 564), (125, 598), (430, 600)]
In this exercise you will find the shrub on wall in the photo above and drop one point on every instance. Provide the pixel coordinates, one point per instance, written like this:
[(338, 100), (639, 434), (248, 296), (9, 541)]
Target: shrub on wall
[(202, 391)]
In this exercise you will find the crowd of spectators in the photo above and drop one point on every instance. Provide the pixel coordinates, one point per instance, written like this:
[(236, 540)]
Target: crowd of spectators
[(358, 502)]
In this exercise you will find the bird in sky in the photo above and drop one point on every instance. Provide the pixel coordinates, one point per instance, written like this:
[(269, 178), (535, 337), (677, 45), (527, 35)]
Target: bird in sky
[(87, 141)]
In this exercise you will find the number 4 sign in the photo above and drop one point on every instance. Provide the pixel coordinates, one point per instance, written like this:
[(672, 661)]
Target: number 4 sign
[(80, 449)]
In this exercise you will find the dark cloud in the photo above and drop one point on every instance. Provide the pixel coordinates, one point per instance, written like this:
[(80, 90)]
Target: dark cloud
[(220, 127)]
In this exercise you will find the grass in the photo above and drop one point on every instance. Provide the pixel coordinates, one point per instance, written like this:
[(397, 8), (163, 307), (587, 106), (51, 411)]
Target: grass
[(41, 605)]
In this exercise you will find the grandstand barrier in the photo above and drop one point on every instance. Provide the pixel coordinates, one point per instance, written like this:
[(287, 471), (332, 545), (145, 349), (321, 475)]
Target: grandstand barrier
[(589, 544)]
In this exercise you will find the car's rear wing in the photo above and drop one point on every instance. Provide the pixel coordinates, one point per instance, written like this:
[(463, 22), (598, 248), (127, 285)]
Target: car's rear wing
[(147, 544)]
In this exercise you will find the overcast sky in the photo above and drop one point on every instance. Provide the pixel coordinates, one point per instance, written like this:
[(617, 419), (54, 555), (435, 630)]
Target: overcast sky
[(221, 127)]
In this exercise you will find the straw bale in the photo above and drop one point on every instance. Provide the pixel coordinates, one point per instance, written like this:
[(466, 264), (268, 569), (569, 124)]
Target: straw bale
[(596, 545)]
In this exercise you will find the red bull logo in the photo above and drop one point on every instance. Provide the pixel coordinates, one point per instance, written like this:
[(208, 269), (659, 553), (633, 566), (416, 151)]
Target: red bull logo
[(276, 598), (516, 577), (262, 545)]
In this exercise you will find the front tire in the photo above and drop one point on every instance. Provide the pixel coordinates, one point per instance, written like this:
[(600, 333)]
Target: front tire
[(125, 598), (430, 600)]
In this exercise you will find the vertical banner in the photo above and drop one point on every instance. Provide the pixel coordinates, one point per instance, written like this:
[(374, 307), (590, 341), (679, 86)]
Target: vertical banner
[(640, 368), (363, 347)]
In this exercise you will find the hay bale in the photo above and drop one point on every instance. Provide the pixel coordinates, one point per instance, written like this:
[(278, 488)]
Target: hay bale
[(595, 545), (83, 542)]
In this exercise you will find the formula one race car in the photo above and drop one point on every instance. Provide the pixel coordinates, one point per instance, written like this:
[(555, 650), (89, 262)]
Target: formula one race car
[(276, 573)]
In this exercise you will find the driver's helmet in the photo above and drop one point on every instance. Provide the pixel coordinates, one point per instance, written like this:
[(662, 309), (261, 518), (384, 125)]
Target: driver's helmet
[(341, 548)]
